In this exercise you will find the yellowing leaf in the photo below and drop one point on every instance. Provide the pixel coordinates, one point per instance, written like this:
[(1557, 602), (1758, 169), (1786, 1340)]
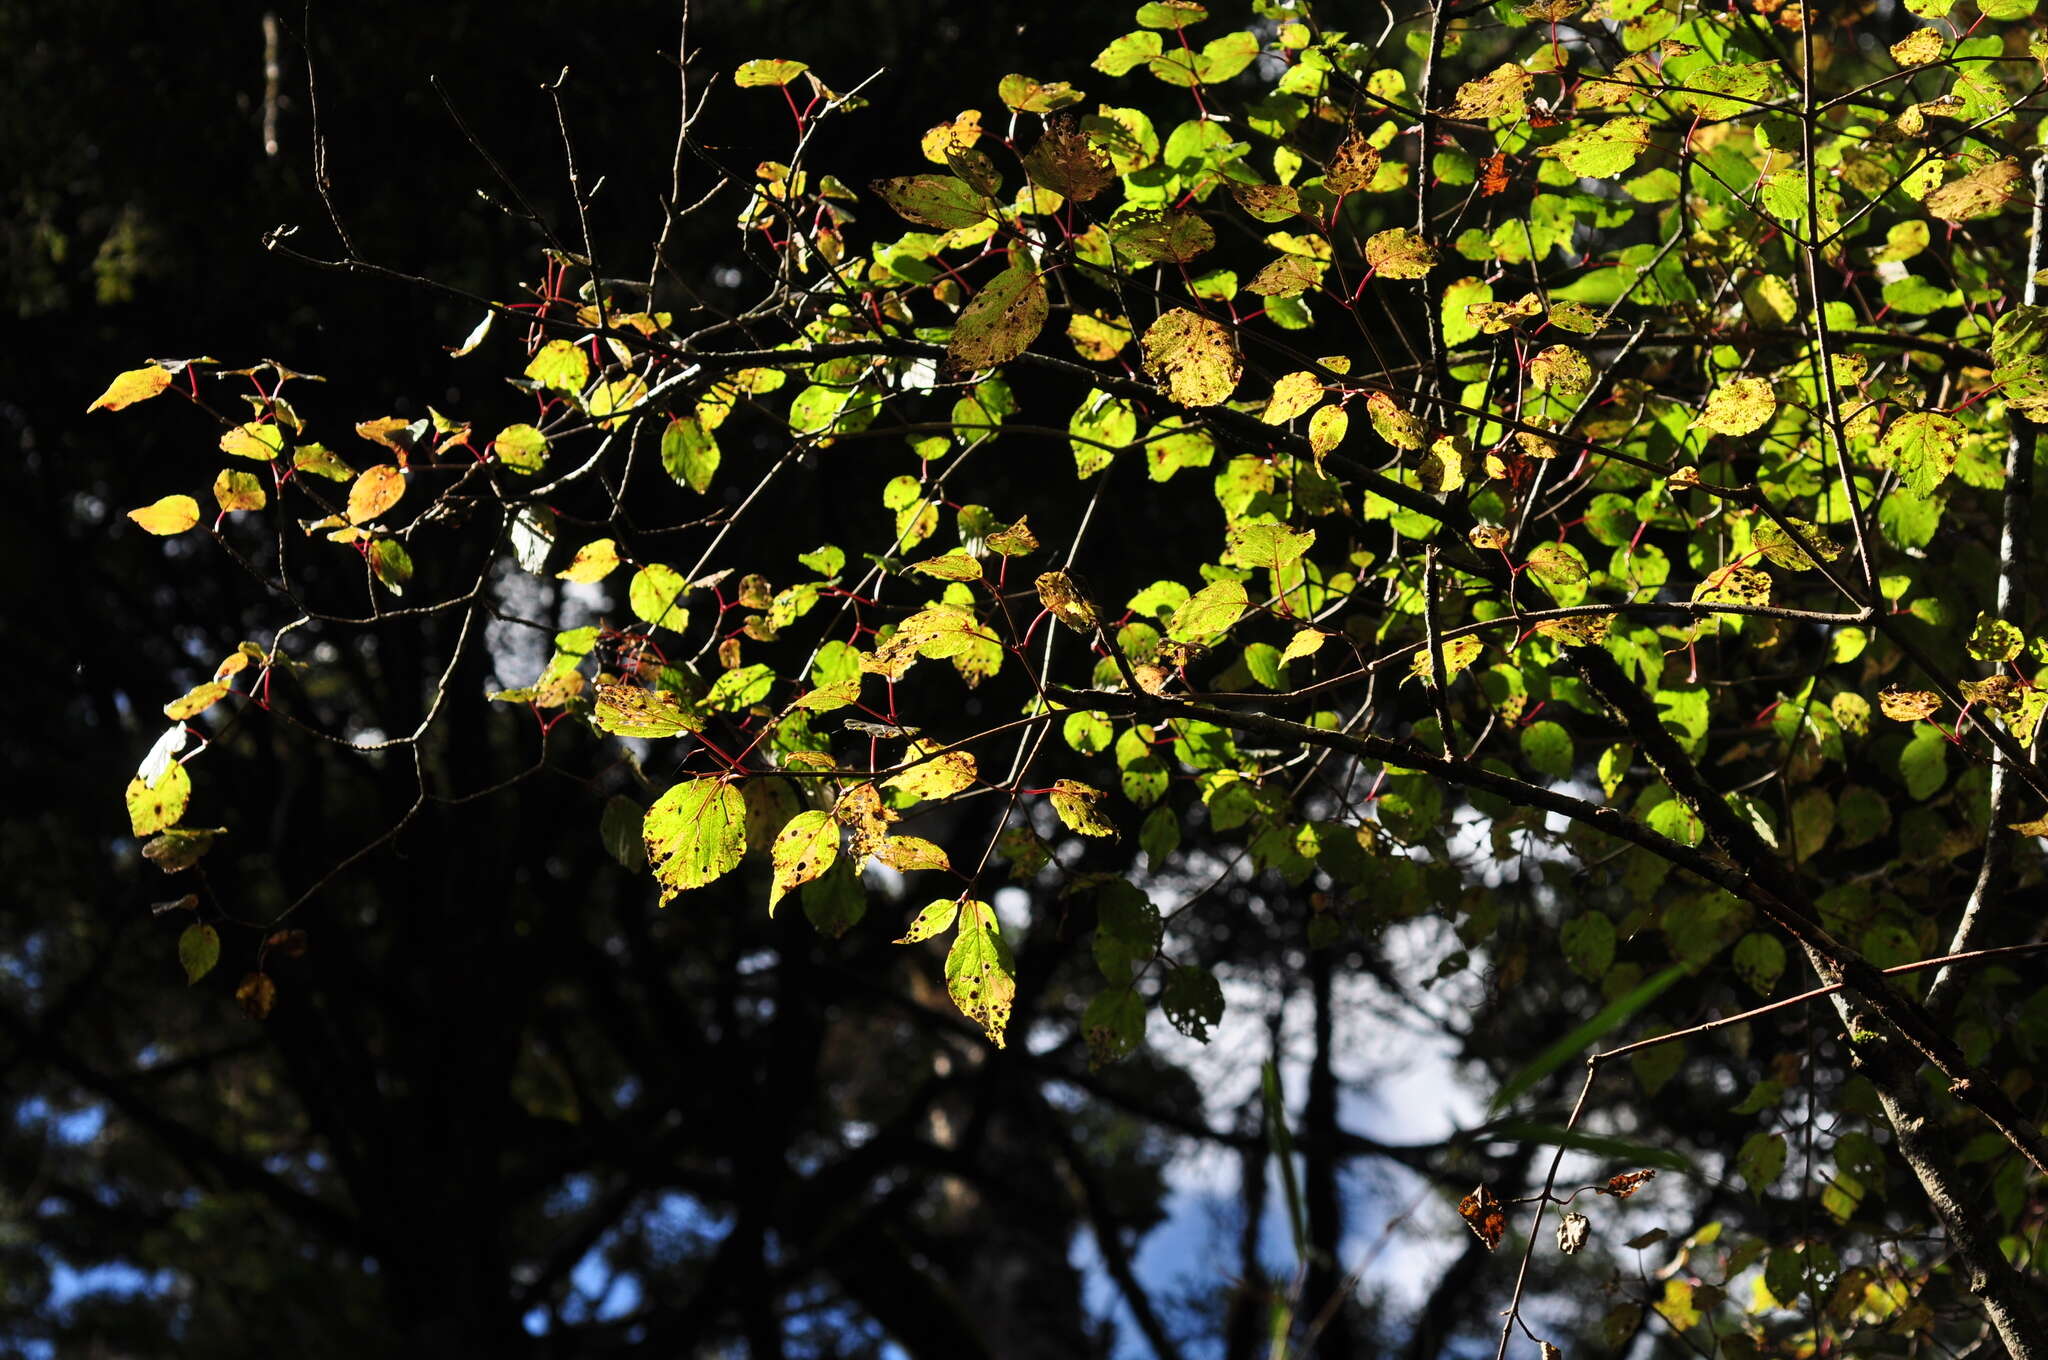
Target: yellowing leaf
[(956, 565), (261, 442), (1288, 276), (907, 854), (1918, 47), (1193, 356), (934, 919), (1395, 425), (1353, 166), (1027, 95), (1603, 150), (238, 491), (1096, 336), (767, 71), (941, 201), (137, 384), (170, 515), (1459, 653), (1307, 642), (1164, 238), (1923, 446), (1980, 193), (803, 850), (1739, 406), (1561, 369), (1908, 705), (375, 491), (980, 973), (630, 711), (1293, 394), (593, 562), (151, 810), (196, 700), (1079, 806), (1501, 93), (1399, 253), (942, 776), (1210, 611), (695, 832), (1001, 322), (561, 365), (1326, 430), (1059, 593)]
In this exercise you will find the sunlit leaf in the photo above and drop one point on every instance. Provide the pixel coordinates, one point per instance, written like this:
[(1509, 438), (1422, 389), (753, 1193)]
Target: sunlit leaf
[(695, 833), (169, 515), (1193, 356), (137, 384)]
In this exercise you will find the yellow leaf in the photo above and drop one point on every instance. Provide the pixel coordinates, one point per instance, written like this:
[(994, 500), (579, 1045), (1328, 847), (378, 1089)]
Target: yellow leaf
[(1079, 806), (137, 384), (171, 515), (374, 492), (261, 442), (593, 562)]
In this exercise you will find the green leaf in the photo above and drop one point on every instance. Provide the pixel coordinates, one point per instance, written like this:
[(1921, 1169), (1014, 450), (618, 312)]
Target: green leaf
[(1575, 1044), (981, 976), (1128, 52), (835, 901), (804, 849), (1760, 1159), (1578, 1140), (1193, 356), (522, 448), (828, 561), (1192, 1001), (1759, 961), (740, 688), (1113, 1025), (652, 596), (391, 564), (1001, 322), (689, 453), (1588, 943), (198, 951), (695, 833), (619, 829), (1127, 930), (1548, 749), (1209, 612), (1923, 764)]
